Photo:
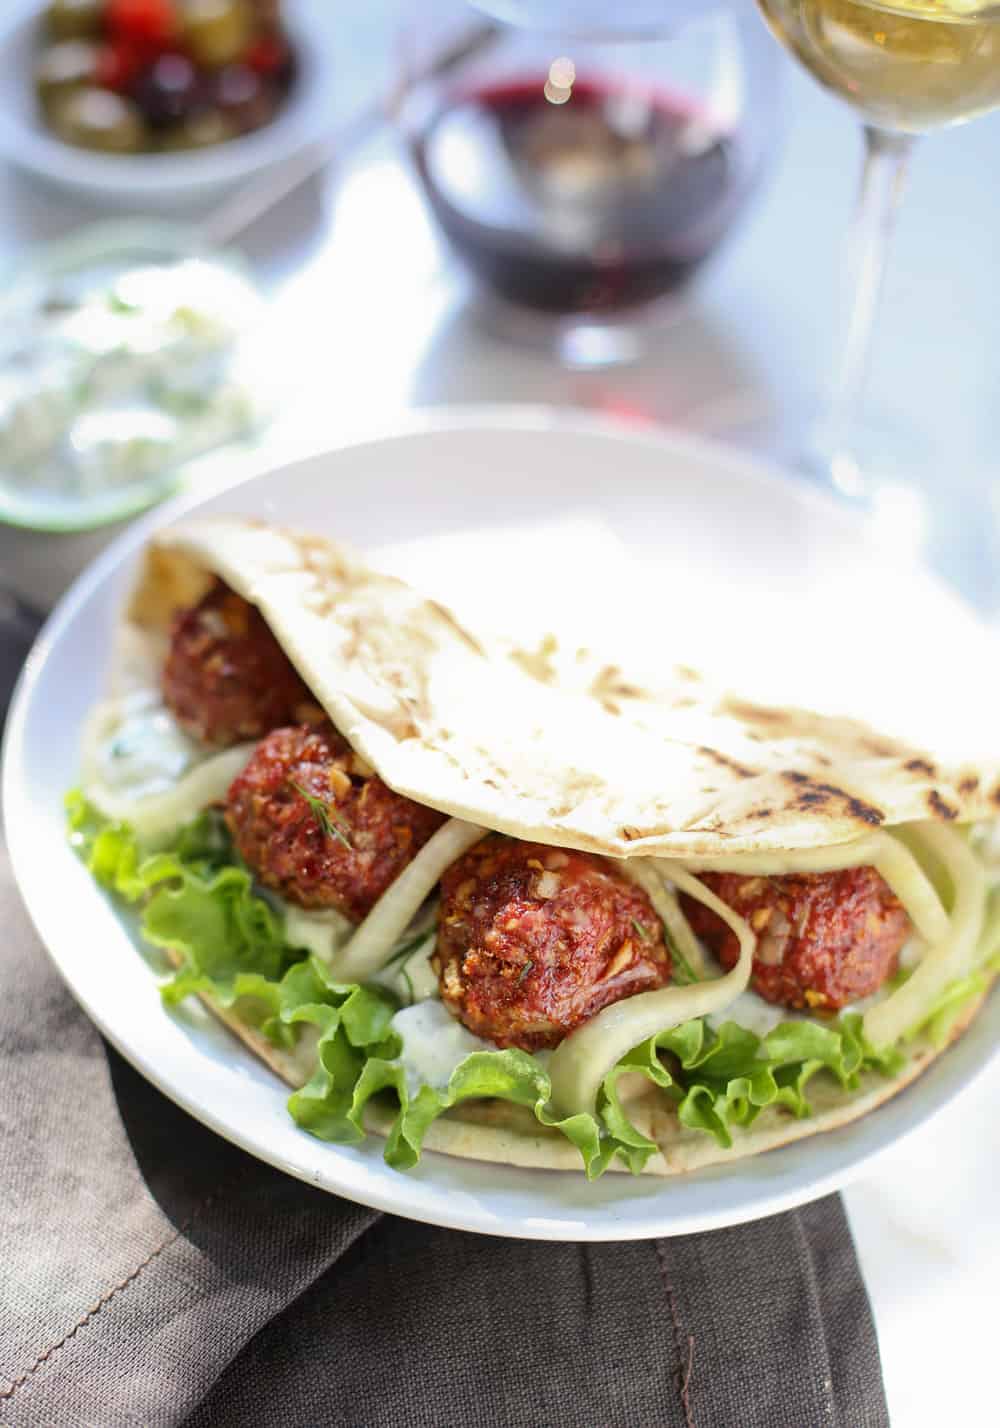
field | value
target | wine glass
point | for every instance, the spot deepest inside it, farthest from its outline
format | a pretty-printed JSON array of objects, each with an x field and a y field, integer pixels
[
  {"x": 586, "y": 163},
  {"x": 907, "y": 66}
]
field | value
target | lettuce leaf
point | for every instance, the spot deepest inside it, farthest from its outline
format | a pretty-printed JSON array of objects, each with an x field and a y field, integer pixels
[
  {"x": 716, "y": 1080},
  {"x": 195, "y": 899},
  {"x": 939, "y": 1022}
]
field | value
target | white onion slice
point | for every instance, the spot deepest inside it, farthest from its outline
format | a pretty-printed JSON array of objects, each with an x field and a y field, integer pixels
[
  {"x": 886, "y": 854},
  {"x": 373, "y": 943},
  {"x": 947, "y": 958},
  {"x": 581, "y": 1062},
  {"x": 155, "y": 817},
  {"x": 668, "y": 910}
]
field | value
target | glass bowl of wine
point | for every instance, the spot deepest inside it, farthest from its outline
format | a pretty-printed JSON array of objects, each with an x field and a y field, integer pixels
[{"x": 584, "y": 175}]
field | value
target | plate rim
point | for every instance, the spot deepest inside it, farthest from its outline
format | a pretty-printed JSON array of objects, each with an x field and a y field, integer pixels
[{"x": 415, "y": 424}]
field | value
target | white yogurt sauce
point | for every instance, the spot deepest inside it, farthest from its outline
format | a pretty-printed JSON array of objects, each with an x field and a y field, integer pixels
[
  {"x": 140, "y": 766},
  {"x": 433, "y": 1044},
  {"x": 144, "y": 751},
  {"x": 752, "y": 1012},
  {"x": 109, "y": 380},
  {"x": 319, "y": 931}
]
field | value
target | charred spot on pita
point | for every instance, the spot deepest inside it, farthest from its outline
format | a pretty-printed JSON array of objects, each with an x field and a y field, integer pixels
[
  {"x": 726, "y": 762},
  {"x": 757, "y": 713},
  {"x": 819, "y": 795},
  {"x": 878, "y": 747},
  {"x": 923, "y": 766},
  {"x": 939, "y": 807},
  {"x": 445, "y": 615},
  {"x": 865, "y": 812}
]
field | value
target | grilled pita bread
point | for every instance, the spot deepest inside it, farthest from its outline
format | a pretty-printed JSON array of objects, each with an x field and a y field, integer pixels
[
  {"x": 560, "y": 746},
  {"x": 557, "y": 746}
]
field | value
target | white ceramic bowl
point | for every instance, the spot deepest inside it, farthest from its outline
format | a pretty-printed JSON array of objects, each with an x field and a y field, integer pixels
[{"x": 142, "y": 182}]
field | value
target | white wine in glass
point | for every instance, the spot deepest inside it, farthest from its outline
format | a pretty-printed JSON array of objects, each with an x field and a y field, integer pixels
[
  {"x": 907, "y": 66},
  {"x": 913, "y": 65}
]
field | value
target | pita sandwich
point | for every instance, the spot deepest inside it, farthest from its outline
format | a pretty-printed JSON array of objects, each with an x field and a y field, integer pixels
[{"x": 627, "y": 924}]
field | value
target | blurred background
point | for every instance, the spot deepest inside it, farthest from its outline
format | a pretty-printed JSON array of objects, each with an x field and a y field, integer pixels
[{"x": 434, "y": 173}]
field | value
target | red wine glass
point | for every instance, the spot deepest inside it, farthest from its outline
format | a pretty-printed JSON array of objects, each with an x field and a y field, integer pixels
[{"x": 583, "y": 177}]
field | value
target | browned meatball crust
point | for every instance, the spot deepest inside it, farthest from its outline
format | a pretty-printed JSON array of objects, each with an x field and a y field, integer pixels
[
  {"x": 533, "y": 941},
  {"x": 314, "y": 823},
  {"x": 823, "y": 939},
  {"x": 226, "y": 678}
]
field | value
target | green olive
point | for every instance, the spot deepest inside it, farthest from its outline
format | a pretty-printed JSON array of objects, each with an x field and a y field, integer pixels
[
  {"x": 99, "y": 119},
  {"x": 64, "y": 67},
  {"x": 216, "y": 32},
  {"x": 200, "y": 131},
  {"x": 74, "y": 19}
]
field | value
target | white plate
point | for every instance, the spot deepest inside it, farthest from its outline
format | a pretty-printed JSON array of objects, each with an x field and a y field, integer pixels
[
  {"x": 685, "y": 504},
  {"x": 144, "y": 181}
]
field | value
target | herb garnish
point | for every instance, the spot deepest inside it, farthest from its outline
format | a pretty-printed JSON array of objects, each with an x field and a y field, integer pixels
[
  {"x": 680, "y": 962},
  {"x": 524, "y": 971},
  {"x": 409, "y": 985},
  {"x": 327, "y": 821},
  {"x": 408, "y": 949}
]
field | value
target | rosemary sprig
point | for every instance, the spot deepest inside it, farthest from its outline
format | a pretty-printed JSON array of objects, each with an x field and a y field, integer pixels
[
  {"x": 680, "y": 962},
  {"x": 327, "y": 822},
  {"x": 409, "y": 985},
  {"x": 408, "y": 949}
]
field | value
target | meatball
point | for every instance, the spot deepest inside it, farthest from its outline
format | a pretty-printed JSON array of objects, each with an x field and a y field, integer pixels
[
  {"x": 226, "y": 678},
  {"x": 823, "y": 939},
  {"x": 313, "y": 822},
  {"x": 534, "y": 940}
]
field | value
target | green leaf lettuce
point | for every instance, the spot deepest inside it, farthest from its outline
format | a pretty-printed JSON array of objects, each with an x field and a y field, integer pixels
[{"x": 196, "y": 900}]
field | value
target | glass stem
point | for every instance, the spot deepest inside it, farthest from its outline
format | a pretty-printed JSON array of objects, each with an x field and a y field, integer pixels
[{"x": 882, "y": 184}]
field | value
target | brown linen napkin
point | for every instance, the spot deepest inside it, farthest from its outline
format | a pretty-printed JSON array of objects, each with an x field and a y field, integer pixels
[{"x": 152, "y": 1274}]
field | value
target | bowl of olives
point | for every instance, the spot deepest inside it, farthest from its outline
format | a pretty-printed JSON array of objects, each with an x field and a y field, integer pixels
[{"x": 147, "y": 100}]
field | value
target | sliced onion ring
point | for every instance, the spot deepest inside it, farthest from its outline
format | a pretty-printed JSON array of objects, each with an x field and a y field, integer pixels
[
  {"x": 581, "y": 1062},
  {"x": 373, "y": 943}
]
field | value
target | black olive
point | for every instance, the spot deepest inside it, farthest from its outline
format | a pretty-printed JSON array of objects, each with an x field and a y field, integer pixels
[
  {"x": 244, "y": 97},
  {"x": 169, "y": 90}
]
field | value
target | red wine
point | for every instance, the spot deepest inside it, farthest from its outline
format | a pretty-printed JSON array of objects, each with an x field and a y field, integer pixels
[{"x": 592, "y": 204}]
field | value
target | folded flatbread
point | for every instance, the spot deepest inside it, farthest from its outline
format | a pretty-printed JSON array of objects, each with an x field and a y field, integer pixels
[{"x": 566, "y": 747}]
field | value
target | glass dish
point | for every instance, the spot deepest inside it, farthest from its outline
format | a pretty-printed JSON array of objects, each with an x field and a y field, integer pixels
[{"x": 126, "y": 351}]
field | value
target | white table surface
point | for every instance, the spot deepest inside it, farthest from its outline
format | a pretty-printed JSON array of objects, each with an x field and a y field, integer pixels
[{"x": 375, "y": 319}]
